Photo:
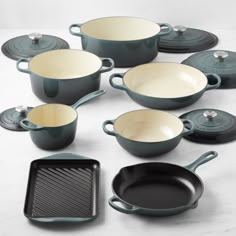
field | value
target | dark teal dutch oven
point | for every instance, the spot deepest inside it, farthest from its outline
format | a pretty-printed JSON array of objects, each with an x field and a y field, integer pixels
[
  {"x": 53, "y": 126},
  {"x": 165, "y": 85},
  {"x": 129, "y": 41},
  {"x": 64, "y": 76},
  {"x": 148, "y": 132},
  {"x": 158, "y": 189}
]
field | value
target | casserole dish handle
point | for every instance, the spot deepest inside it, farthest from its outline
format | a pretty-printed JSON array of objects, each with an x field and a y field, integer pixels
[
  {"x": 21, "y": 69},
  {"x": 117, "y": 86},
  {"x": 125, "y": 210},
  {"x": 166, "y": 29},
  {"x": 201, "y": 160},
  {"x": 75, "y": 33},
  {"x": 109, "y": 132},
  {"x": 189, "y": 127},
  {"x": 108, "y": 68},
  {"x": 216, "y": 81}
]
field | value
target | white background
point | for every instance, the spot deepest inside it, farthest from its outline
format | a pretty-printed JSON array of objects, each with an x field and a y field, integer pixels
[{"x": 216, "y": 212}]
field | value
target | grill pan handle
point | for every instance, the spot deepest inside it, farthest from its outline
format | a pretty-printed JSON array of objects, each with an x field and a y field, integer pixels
[
  {"x": 125, "y": 210},
  {"x": 201, "y": 160},
  {"x": 66, "y": 156}
]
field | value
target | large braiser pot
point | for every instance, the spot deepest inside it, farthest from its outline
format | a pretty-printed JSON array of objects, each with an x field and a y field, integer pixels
[
  {"x": 129, "y": 41},
  {"x": 66, "y": 75},
  {"x": 165, "y": 85}
]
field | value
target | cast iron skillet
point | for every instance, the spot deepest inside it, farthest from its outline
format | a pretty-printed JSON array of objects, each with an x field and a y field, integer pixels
[{"x": 158, "y": 189}]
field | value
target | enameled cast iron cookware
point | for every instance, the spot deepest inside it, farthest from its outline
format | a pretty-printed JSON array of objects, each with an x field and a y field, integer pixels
[
  {"x": 158, "y": 189},
  {"x": 53, "y": 126},
  {"x": 211, "y": 126},
  {"x": 165, "y": 85},
  {"x": 64, "y": 76},
  {"x": 129, "y": 41},
  {"x": 148, "y": 132},
  {"x": 220, "y": 62},
  {"x": 62, "y": 188},
  {"x": 27, "y": 46}
]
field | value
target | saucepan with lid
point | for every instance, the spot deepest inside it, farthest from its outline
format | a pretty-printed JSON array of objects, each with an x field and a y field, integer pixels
[
  {"x": 66, "y": 75},
  {"x": 129, "y": 41},
  {"x": 53, "y": 126},
  {"x": 165, "y": 85}
]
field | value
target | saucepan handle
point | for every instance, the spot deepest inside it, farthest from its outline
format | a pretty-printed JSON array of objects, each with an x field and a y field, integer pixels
[
  {"x": 217, "y": 79},
  {"x": 21, "y": 69},
  {"x": 108, "y": 68},
  {"x": 201, "y": 160},
  {"x": 165, "y": 29},
  {"x": 88, "y": 97},
  {"x": 125, "y": 210},
  {"x": 117, "y": 86},
  {"x": 109, "y": 132},
  {"x": 188, "y": 127},
  {"x": 26, "y": 124},
  {"x": 75, "y": 33}
]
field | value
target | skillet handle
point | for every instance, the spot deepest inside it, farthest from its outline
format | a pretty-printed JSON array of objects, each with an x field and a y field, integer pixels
[
  {"x": 21, "y": 69},
  {"x": 109, "y": 132},
  {"x": 189, "y": 127},
  {"x": 216, "y": 78},
  {"x": 108, "y": 68},
  {"x": 114, "y": 85},
  {"x": 75, "y": 33},
  {"x": 130, "y": 210},
  {"x": 88, "y": 97},
  {"x": 201, "y": 160},
  {"x": 167, "y": 29}
]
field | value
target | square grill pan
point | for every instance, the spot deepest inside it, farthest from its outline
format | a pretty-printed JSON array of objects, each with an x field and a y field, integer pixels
[{"x": 62, "y": 187}]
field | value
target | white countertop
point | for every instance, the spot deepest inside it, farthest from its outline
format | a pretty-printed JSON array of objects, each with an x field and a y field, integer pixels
[{"x": 216, "y": 212}]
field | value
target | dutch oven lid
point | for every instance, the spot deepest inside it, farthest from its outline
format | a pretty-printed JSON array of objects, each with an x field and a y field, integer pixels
[
  {"x": 10, "y": 119},
  {"x": 186, "y": 40},
  {"x": 27, "y": 46},
  {"x": 219, "y": 62},
  {"x": 211, "y": 126}
]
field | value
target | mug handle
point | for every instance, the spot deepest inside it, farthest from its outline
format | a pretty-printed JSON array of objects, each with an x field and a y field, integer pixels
[
  {"x": 188, "y": 127},
  {"x": 213, "y": 86},
  {"x": 21, "y": 69},
  {"x": 109, "y": 68},
  {"x": 75, "y": 33},
  {"x": 109, "y": 132},
  {"x": 117, "y": 86},
  {"x": 164, "y": 31},
  {"x": 125, "y": 210}
]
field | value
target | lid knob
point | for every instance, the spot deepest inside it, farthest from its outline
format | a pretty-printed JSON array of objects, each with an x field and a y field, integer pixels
[
  {"x": 22, "y": 109},
  {"x": 210, "y": 115},
  {"x": 35, "y": 37},
  {"x": 179, "y": 29},
  {"x": 221, "y": 55}
]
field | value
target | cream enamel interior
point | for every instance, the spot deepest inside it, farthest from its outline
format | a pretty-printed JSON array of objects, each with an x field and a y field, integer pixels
[
  {"x": 52, "y": 115},
  {"x": 165, "y": 80},
  {"x": 65, "y": 64},
  {"x": 120, "y": 28},
  {"x": 148, "y": 125}
]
